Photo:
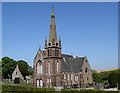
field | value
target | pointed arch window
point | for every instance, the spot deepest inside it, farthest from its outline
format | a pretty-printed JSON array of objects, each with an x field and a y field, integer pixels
[
  {"x": 53, "y": 52},
  {"x": 49, "y": 82},
  {"x": 39, "y": 82},
  {"x": 56, "y": 52},
  {"x": 50, "y": 52},
  {"x": 86, "y": 70},
  {"x": 48, "y": 67},
  {"x": 64, "y": 76},
  {"x": 76, "y": 77},
  {"x": 57, "y": 66},
  {"x": 39, "y": 67},
  {"x": 56, "y": 44}
]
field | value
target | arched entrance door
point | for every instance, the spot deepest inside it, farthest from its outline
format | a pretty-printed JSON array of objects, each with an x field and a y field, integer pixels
[
  {"x": 17, "y": 81},
  {"x": 39, "y": 83}
]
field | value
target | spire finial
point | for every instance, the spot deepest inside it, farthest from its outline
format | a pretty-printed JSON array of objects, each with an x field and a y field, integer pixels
[{"x": 52, "y": 10}]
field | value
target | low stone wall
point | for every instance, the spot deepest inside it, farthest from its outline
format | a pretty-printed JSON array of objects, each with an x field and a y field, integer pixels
[{"x": 7, "y": 81}]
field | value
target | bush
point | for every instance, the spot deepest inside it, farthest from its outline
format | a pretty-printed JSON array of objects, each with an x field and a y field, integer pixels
[
  {"x": 16, "y": 88},
  {"x": 86, "y": 91}
]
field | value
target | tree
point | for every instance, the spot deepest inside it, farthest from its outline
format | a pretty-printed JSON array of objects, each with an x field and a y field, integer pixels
[
  {"x": 9, "y": 65},
  {"x": 119, "y": 79},
  {"x": 24, "y": 68},
  {"x": 30, "y": 69},
  {"x": 104, "y": 75},
  {"x": 0, "y": 69},
  {"x": 113, "y": 79},
  {"x": 96, "y": 77}
]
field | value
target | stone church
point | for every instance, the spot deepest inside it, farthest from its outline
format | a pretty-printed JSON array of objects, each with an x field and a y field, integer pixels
[{"x": 54, "y": 69}]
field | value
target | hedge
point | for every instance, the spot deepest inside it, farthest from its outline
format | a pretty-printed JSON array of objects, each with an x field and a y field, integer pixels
[
  {"x": 86, "y": 91},
  {"x": 16, "y": 88},
  {"x": 30, "y": 89}
]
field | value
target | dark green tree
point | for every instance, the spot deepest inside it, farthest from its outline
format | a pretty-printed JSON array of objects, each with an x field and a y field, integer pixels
[
  {"x": 113, "y": 79},
  {"x": 0, "y": 68},
  {"x": 24, "y": 68},
  {"x": 30, "y": 69},
  {"x": 104, "y": 75},
  {"x": 8, "y": 66},
  {"x": 119, "y": 79},
  {"x": 96, "y": 77}
]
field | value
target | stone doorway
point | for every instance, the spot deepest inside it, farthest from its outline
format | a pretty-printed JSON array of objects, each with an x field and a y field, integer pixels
[
  {"x": 39, "y": 83},
  {"x": 17, "y": 81}
]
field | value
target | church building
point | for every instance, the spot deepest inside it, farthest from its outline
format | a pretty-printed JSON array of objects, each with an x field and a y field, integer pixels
[{"x": 54, "y": 69}]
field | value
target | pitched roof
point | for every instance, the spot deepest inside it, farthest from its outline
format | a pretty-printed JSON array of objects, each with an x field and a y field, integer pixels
[
  {"x": 16, "y": 73},
  {"x": 71, "y": 64}
]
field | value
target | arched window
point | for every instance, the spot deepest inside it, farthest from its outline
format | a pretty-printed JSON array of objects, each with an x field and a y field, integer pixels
[
  {"x": 57, "y": 52},
  {"x": 57, "y": 66},
  {"x": 86, "y": 70},
  {"x": 39, "y": 67},
  {"x": 49, "y": 44},
  {"x": 53, "y": 52},
  {"x": 64, "y": 76},
  {"x": 70, "y": 77},
  {"x": 39, "y": 82},
  {"x": 49, "y": 82},
  {"x": 50, "y": 52},
  {"x": 56, "y": 44},
  {"x": 76, "y": 77},
  {"x": 48, "y": 67}
]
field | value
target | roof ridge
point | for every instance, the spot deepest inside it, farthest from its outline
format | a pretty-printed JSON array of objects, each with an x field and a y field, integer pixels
[{"x": 67, "y": 55}]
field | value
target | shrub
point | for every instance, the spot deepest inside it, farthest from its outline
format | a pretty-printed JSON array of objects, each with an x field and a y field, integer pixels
[
  {"x": 16, "y": 88},
  {"x": 86, "y": 91}
]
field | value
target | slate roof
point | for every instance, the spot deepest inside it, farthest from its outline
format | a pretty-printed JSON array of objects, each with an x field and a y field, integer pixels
[{"x": 71, "y": 64}]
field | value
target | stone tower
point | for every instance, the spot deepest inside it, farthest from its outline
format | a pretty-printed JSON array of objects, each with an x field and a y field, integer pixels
[
  {"x": 48, "y": 63},
  {"x": 53, "y": 58}
]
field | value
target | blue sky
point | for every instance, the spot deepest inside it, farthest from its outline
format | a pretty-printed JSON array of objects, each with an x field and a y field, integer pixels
[{"x": 86, "y": 29}]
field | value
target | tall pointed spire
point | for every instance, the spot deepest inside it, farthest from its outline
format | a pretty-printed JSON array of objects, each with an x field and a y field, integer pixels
[{"x": 52, "y": 35}]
